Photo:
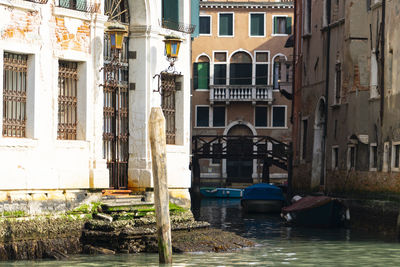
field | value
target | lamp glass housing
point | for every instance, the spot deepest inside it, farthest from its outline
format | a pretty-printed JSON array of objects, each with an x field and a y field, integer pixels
[{"x": 172, "y": 47}]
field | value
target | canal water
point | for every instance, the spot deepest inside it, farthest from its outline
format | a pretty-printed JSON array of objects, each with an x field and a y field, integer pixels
[{"x": 278, "y": 245}]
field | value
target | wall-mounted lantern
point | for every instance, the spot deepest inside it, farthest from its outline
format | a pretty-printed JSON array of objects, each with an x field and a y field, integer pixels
[
  {"x": 172, "y": 44},
  {"x": 117, "y": 32}
]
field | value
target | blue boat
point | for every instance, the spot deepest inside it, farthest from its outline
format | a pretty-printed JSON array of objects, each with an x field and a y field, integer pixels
[
  {"x": 262, "y": 198},
  {"x": 221, "y": 192}
]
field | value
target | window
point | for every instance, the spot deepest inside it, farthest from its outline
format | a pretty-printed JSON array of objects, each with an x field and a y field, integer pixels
[
  {"x": 73, "y": 4},
  {"x": 396, "y": 156},
  {"x": 262, "y": 63},
  {"x": 279, "y": 61},
  {"x": 240, "y": 68},
  {"x": 307, "y": 17},
  {"x": 335, "y": 158},
  {"x": 169, "y": 83},
  {"x": 67, "y": 100},
  {"x": 282, "y": 25},
  {"x": 202, "y": 116},
  {"x": 257, "y": 24},
  {"x": 201, "y": 73},
  {"x": 279, "y": 116},
  {"x": 205, "y": 25},
  {"x": 14, "y": 95},
  {"x": 373, "y": 157},
  {"x": 170, "y": 14},
  {"x": 220, "y": 68},
  {"x": 351, "y": 157},
  {"x": 338, "y": 83},
  {"x": 225, "y": 24},
  {"x": 304, "y": 132},
  {"x": 261, "y": 117},
  {"x": 219, "y": 116}
]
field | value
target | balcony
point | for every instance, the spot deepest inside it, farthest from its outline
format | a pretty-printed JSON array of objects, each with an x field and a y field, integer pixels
[{"x": 240, "y": 93}]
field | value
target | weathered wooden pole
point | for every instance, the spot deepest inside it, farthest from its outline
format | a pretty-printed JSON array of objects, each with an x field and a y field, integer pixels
[{"x": 161, "y": 198}]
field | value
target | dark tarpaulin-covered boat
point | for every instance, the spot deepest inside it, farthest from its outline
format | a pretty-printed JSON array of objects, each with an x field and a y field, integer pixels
[
  {"x": 316, "y": 211},
  {"x": 262, "y": 198}
]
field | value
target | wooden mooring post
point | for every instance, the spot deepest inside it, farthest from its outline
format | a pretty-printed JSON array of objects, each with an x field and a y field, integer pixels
[{"x": 161, "y": 198}]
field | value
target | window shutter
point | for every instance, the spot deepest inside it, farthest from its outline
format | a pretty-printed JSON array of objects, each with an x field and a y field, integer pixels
[
  {"x": 276, "y": 25},
  {"x": 257, "y": 24},
  {"x": 288, "y": 25},
  {"x": 171, "y": 10},
  {"x": 225, "y": 24},
  {"x": 202, "y": 70},
  {"x": 194, "y": 16},
  {"x": 195, "y": 76},
  {"x": 241, "y": 73}
]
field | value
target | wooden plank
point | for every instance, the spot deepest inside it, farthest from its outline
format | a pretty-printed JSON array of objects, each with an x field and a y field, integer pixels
[{"x": 161, "y": 198}]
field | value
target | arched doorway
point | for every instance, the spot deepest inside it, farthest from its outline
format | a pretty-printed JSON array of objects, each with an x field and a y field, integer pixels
[
  {"x": 239, "y": 170},
  {"x": 115, "y": 90},
  {"x": 317, "y": 172}
]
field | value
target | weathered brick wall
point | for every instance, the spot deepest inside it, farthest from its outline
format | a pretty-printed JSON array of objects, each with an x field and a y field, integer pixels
[
  {"x": 72, "y": 34},
  {"x": 65, "y": 33},
  {"x": 19, "y": 24}
]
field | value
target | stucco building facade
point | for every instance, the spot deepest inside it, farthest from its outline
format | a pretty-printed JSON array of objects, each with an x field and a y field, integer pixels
[
  {"x": 345, "y": 116},
  {"x": 53, "y": 54},
  {"x": 238, "y": 60}
]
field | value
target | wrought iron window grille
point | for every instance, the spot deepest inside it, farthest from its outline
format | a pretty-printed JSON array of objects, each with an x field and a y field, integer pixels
[
  {"x": 178, "y": 26},
  {"x": 79, "y": 5},
  {"x": 67, "y": 100},
  {"x": 14, "y": 95}
]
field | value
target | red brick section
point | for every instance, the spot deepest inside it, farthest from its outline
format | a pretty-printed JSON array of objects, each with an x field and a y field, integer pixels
[
  {"x": 79, "y": 41},
  {"x": 21, "y": 23}
]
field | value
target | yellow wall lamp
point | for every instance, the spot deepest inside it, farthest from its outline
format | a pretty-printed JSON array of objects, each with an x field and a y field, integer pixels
[{"x": 172, "y": 45}]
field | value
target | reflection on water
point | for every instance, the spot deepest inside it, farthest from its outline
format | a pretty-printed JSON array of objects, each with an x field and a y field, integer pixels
[{"x": 279, "y": 245}]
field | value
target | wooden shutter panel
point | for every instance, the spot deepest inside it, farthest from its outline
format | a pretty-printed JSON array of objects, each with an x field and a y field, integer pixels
[
  {"x": 288, "y": 25},
  {"x": 195, "y": 76},
  {"x": 171, "y": 10},
  {"x": 275, "y": 24}
]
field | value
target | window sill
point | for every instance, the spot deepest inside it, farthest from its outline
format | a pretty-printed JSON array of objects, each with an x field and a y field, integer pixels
[
  {"x": 272, "y": 128},
  {"x": 395, "y": 169},
  {"x": 306, "y": 36},
  {"x": 65, "y": 12},
  {"x": 336, "y": 105},
  {"x": 72, "y": 144},
  {"x": 205, "y": 34},
  {"x": 373, "y": 99},
  {"x": 279, "y": 34},
  {"x": 18, "y": 142},
  {"x": 20, "y": 4},
  {"x": 202, "y": 90},
  {"x": 373, "y": 169},
  {"x": 226, "y": 36},
  {"x": 257, "y": 36}
]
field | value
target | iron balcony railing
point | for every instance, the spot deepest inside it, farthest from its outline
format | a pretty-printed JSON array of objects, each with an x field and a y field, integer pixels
[
  {"x": 178, "y": 26},
  {"x": 38, "y": 1},
  {"x": 79, "y": 5},
  {"x": 240, "y": 93}
]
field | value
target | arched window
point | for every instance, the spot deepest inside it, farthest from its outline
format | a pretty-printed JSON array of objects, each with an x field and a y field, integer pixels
[
  {"x": 241, "y": 69},
  {"x": 201, "y": 73},
  {"x": 279, "y": 64}
]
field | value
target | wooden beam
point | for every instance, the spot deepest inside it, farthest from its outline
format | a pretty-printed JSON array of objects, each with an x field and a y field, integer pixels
[{"x": 161, "y": 198}]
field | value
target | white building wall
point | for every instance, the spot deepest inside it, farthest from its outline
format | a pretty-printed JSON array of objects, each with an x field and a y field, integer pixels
[
  {"x": 146, "y": 39},
  {"x": 48, "y": 34}
]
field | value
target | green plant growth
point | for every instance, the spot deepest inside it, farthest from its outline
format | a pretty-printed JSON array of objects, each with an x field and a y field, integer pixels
[
  {"x": 91, "y": 208},
  {"x": 122, "y": 213},
  {"x": 16, "y": 213}
]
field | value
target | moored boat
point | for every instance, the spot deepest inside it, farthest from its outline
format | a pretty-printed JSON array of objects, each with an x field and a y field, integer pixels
[
  {"x": 262, "y": 198},
  {"x": 221, "y": 192},
  {"x": 316, "y": 211}
]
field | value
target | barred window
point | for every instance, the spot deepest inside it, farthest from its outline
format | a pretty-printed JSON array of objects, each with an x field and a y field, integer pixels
[
  {"x": 168, "y": 83},
  {"x": 67, "y": 100},
  {"x": 14, "y": 95}
]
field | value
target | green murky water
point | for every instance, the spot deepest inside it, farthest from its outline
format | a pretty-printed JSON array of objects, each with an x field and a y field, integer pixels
[{"x": 278, "y": 245}]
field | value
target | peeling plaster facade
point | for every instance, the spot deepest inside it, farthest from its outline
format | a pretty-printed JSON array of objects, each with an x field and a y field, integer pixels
[
  {"x": 41, "y": 167},
  {"x": 358, "y": 148}
]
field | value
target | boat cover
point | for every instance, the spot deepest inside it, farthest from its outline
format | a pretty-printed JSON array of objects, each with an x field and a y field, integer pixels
[
  {"x": 263, "y": 192},
  {"x": 307, "y": 202}
]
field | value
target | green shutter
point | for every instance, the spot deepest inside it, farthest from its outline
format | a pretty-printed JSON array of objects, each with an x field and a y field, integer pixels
[
  {"x": 225, "y": 24},
  {"x": 195, "y": 9},
  {"x": 275, "y": 24},
  {"x": 202, "y": 70},
  {"x": 288, "y": 25},
  {"x": 171, "y": 10},
  {"x": 195, "y": 76},
  {"x": 257, "y": 24}
]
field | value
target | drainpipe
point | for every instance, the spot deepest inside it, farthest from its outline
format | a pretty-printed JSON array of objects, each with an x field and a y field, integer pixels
[
  {"x": 328, "y": 50},
  {"x": 382, "y": 80},
  {"x": 294, "y": 62}
]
